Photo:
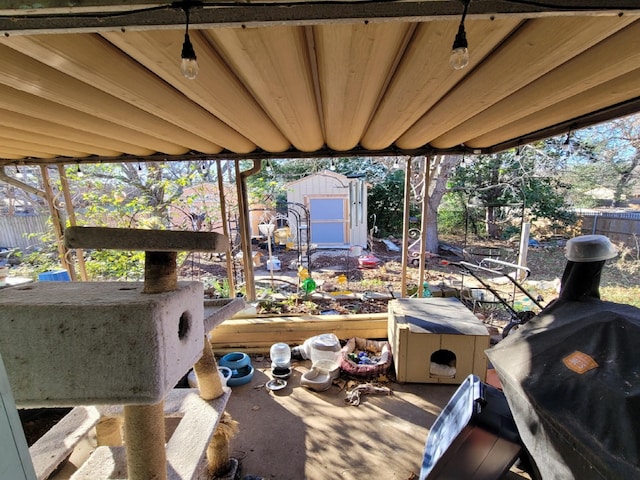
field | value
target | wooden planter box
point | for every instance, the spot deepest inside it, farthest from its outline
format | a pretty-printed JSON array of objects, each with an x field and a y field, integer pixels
[{"x": 256, "y": 333}]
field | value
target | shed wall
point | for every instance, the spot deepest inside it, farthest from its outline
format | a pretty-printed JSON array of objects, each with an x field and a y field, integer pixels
[{"x": 330, "y": 185}]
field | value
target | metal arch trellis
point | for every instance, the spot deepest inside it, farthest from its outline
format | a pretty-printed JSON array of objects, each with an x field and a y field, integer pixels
[
  {"x": 297, "y": 219},
  {"x": 302, "y": 216}
]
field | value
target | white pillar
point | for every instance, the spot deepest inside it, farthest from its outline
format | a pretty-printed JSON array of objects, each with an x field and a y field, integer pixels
[{"x": 524, "y": 248}]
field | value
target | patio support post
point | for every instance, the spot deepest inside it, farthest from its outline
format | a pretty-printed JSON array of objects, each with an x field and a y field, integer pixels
[
  {"x": 58, "y": 222},
  {"x": 423, "y": 224},
  {"x": 405, "y": 225},
  {"x": 225, "y": 230},
  {"x": 68, "y": 205},
  {"x": 245, "y": 237}
]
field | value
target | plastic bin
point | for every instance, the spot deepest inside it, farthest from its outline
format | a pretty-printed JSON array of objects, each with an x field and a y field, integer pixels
[
  {"x": 54, "y": 276},
  {"x": 474, "y": 437}
]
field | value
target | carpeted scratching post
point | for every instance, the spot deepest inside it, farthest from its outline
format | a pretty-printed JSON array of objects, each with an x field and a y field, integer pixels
[
  {"x": 126, "y": 345},
  {"x": 144, "y": 425},
  {"x": 207, "y": 373},
  {"x": 144, "y": 432},
  {"x": 218, "y": 455},
  {"x": 144, "y": 438}
]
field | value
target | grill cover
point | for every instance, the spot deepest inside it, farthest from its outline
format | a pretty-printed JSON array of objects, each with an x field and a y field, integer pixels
[{"x": 572, "y": 380}]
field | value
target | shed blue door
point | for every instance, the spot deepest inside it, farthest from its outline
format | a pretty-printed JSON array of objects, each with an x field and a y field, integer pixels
[{"x": 328, "y": 222}]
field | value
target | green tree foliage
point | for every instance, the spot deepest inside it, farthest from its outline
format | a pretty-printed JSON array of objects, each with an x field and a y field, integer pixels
[
  {"x": 133, "y": 195},
  {"x": 374, "y": 169},
  {"x": 130, "y": 195},
  {"x": 386, "y": 204},
  {"x": 497, "y": 190}
]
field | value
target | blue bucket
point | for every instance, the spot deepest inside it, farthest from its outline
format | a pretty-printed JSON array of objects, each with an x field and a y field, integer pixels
[{"x": 54, "y": 276}]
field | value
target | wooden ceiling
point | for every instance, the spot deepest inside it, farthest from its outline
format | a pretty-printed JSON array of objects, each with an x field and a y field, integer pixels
[{"x": 312, "y": 81}]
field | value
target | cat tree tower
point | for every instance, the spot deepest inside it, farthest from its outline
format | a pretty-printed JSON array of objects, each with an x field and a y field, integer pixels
[{"x": 117, "y": 349}]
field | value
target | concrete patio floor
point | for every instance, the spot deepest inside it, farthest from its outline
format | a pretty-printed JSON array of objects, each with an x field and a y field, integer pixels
[{"x": 299, "y": 434}]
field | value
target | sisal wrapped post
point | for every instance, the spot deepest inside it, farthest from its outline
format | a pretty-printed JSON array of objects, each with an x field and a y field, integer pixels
[
  {"x": 160, "y": 272},
  {"x": 218, "y": 455},
  {"x": 207, "y": 373},
  {"x": 145, "y": 441},
  {"x": 144, "y": 426}
]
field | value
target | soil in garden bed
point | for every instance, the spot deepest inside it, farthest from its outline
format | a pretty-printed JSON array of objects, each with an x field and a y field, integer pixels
[{"x": 322, "y": 306}]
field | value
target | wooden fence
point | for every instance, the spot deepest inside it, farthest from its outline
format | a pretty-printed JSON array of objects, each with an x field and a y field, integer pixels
[
  {"x": 23, "y": 231},
  {"x": 620, "y": 227}
]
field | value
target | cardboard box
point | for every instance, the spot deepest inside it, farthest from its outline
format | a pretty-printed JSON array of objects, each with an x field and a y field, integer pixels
[{"x": 436, "y": 340}]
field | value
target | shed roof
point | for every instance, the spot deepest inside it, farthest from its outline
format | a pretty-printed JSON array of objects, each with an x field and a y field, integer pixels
[{"x": 325, "y": 173}]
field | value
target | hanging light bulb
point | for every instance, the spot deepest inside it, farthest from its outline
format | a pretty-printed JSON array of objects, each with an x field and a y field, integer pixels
[
  {"x": 139, "y": 167},
  {"x": 268, "y": 166},
  {"x": 460, "y": 52},
  {"x": 566, "y": 146},
  {"x": 189, "y": 63},
  {"x": 332, "y": 167},
  {"x": 396, "y": 163},
  {"x": 203, "y": 167},
  {"x": 18, "y": 172},
  {"x": 79, "y": 172},
  {"x": 518, "y": 154}
]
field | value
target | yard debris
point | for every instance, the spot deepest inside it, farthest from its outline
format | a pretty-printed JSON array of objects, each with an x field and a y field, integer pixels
[
  {"x": 353, "y": 395},
  {"x": 391, "y": 247}
]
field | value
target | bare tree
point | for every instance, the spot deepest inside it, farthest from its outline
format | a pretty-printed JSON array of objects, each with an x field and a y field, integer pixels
[{"x": 614, "y": 149}]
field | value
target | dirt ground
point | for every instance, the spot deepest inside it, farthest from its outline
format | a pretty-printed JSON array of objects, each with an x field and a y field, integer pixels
[
  {"x": 326, "y": 267},
  {"x": 338, "y": 270}
]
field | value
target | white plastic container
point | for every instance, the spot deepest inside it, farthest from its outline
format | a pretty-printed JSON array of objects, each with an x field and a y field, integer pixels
[
  {"x": 324, "y": 351},
  {"x": 280, "y": 354}
]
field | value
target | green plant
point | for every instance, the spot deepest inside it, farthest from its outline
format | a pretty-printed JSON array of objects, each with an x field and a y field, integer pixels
[
  {"x": 311, "y": 307},
  {"x": 35, "y": 263},
  {"x": 263, "y": 292},
  {"x": 220, "y": 287},
  {"x": 115, "y": 265},
  {"x": 269, "y": 306},
  {"x": 372, "y": 283},
  {"x": 450, "y": 220},
  {"x": 291, "y": 300}
]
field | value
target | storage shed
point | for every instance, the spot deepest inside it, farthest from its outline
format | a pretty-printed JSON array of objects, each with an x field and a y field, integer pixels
[{"x": 337, "y": 206}]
